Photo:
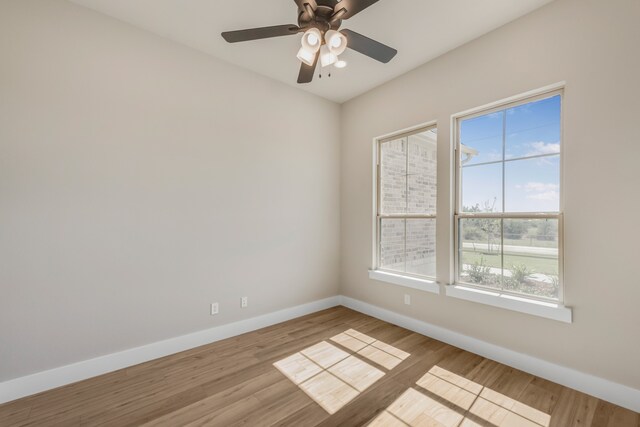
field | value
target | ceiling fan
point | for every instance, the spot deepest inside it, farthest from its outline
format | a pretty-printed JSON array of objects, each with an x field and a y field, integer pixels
[{"x": 320, "y": 21}]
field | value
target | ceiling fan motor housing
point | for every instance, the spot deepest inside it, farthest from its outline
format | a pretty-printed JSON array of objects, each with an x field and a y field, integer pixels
[{"x": 321, "y": 18}]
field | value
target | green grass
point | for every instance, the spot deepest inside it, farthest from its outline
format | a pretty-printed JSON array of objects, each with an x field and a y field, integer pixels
[{"x": 535, "y": 264}]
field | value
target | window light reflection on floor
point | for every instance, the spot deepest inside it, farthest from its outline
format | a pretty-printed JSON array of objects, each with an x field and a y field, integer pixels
[
  {"x": 452, "y": 400},
  {"x": 377, "y": 351},
  {"x": 333, "y": 377}
]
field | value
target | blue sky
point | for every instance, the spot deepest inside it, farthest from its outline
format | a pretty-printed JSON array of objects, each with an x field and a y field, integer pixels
[{"x": 531, "y": 184}]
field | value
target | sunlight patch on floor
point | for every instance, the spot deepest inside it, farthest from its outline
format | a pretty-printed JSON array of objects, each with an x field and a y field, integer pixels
[
  {"x": 454, "y": 401},
  {"x": 358, "y": 374},
  {"x": 298, "y": 368},
  {"x": 329, "y": 392},
  {"x": 349, "y": 342},
  {"x": 501, "y": 410},
  {"x": 380, "y": 357},
  {"x": 333, "y": 377},
  {"x": 386, "y": 419},
  {"x": 325, "y": 354},
  {"x": 379, "y": 352}
]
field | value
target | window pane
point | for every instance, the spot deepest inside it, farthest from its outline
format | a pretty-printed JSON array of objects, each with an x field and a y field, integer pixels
[
  {"x": 533, "y": 185},
  {"x": 393, "y": 176},
  {"x": 393, "y": 194},
  {"x": 481, "y": 139},
  {"x": 421, "y": 247},
  {"x": 533, "y": 129},
  {"x": 528, "y": 263},
  {"x": 480, "y": 251},
  {"x": 392, "y": 240},
  {"x": 531, "y": 257},
  {"x": 422, "y": 173},
  {"x": 408, "y": 178},
  {"x": 482, "y": 188}
]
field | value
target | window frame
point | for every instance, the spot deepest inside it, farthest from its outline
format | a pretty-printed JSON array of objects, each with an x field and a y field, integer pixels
[
  {"x": 411, "y": 280},
  {"x": 458, "y": 214}
]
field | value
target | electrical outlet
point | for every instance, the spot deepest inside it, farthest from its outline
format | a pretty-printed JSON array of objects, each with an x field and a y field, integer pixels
[
  {"x": 407, "y": 299},
  {"x": 214, "y": 308},
  {"x": 244, "y": 302}
]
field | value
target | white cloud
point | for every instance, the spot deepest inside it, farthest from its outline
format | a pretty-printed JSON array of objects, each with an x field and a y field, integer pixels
[
  {"x": 539, "y": 187},
  {"x": 541, "y": 191},
  {"x": 539, "y": 148},
  {"x": 494, "y": 157},
  {"x": 547, "y": 195}
]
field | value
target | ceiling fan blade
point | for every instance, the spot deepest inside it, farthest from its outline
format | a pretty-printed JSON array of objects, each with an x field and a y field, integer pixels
[
  {"x": 301, "y": 3},
  {"x": 369, "y": 47},
  {"x": 307, "y": 72},
  {"x": 338, "y": 15},
  {"x": 260, "y": 33},
  {"x": 302, "y": 8},
  {"x": 353, "y": 7}
]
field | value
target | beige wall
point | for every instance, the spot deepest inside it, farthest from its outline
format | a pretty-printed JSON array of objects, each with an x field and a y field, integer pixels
[
  {"x": 593, "y": 46},
  {"x": 140, "y": 181}
]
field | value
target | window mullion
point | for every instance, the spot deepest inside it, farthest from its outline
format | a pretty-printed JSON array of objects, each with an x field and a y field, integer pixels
[
  {"x": 504, "y": 156},
  {"x": 502, "y": 253},
  {"x": 406, "y": 198},
  {"x": 409, "y": 216}
]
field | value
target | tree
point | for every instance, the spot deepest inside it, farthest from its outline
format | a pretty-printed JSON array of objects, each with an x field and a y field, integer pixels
[
  {"x": 515, "y": 228},
  {"x": 547, "y": 230},
  {"x": 482, "y": 228}
]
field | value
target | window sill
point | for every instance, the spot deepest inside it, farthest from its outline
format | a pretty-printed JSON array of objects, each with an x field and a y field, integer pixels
[
  {"x": 407, "y": 281},
  {"x": 510, "y": 302}
]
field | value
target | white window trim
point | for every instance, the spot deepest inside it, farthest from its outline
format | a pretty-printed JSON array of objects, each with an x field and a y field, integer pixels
[
  {"x": 548, "y": 309},
  {"x": 510, "y": 302},
  {"x": 406, "y": 281},
  {"x": 427, "y": 284}
]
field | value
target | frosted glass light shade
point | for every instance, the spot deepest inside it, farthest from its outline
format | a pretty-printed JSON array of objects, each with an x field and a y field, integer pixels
[
  {"x": 336, "y": 41},
  {"x": 306, "y": 56},
  {"x": 311, "y": 40},
  {"x": 326, "y": 56}
]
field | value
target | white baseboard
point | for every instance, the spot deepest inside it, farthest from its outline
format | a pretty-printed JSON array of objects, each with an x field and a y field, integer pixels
[
  {"x": 46, "y": 380},
  {"x": 604, "y": 389},
  {"x": 610, "y": 391}
]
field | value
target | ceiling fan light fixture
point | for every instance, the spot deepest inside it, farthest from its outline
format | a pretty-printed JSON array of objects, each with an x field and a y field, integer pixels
[
  {"x": 306, "y": 56},
  {"x": 311, "y": 40},
  {"x": 327, "y": 57},
  {"x": 336, "y": 41},
  {"x": 319, "y": 22}
]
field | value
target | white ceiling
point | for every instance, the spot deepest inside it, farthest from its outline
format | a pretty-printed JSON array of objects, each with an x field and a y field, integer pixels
[{"x": 419, "y": 29}]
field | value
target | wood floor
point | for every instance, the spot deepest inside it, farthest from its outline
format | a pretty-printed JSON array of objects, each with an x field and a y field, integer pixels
[{"x": 376, "y": 373}]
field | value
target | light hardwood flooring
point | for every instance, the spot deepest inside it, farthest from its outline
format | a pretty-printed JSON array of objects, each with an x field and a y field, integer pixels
[{"x": 332, "y": 368}]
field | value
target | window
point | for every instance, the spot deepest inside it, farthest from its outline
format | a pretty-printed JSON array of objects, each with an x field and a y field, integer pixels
[
  {"x": 508, "y": 220},
  {"x": 406, "y": 204}
]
